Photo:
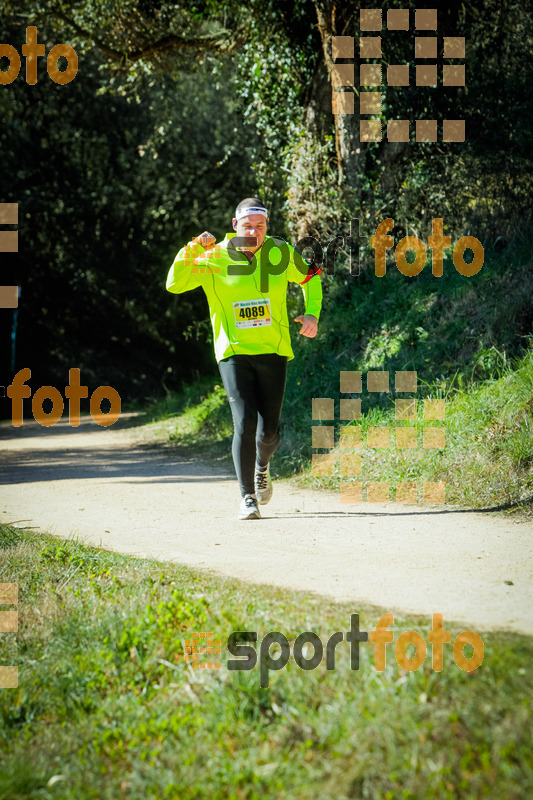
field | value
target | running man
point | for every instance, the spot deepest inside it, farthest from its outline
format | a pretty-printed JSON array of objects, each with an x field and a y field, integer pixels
[{"x": 245, "y": 279}]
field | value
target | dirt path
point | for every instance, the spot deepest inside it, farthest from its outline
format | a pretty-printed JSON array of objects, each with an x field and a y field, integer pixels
[{"x": 112, "y": 489}]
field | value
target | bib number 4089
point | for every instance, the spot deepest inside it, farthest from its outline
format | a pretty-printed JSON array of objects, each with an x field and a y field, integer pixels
[{"x": 252, "y": 312}]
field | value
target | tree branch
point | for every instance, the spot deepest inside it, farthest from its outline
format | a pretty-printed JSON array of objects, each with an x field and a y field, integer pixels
[{"x": 223, "y": 42}]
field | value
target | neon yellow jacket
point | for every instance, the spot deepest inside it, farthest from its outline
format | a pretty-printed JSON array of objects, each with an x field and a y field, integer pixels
[{"x": 245, "y": 319}]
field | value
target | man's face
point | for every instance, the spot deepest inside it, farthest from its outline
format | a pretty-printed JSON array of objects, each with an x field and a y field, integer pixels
[{"x": 252, "y": 225}]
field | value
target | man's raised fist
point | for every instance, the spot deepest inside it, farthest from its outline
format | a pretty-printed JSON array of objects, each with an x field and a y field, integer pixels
[{"x": 206, "y": 239}]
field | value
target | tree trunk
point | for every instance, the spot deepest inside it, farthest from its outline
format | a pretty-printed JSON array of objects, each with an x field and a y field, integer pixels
[{"x": 333, "y": 23}]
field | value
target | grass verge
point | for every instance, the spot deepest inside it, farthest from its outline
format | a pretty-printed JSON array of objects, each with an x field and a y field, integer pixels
[
  {"x": 107, "y": 707},
  {"x": 487, "y": 460}
]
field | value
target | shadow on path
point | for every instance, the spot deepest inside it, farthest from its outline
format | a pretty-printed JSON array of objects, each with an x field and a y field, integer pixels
[{"x": 38, "y": 462}]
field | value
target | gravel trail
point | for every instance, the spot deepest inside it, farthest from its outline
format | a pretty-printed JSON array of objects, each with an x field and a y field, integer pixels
[{"x": 112, "y": 487}]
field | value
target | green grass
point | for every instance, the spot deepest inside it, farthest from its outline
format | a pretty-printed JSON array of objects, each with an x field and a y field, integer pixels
[
  {"x": 197, "y": 420},
  {"x": 107, "y": 707},
  {"x": 487, "y": 461}
]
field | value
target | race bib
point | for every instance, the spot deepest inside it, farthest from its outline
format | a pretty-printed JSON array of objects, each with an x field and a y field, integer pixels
[{"x": 252, "y": 313}]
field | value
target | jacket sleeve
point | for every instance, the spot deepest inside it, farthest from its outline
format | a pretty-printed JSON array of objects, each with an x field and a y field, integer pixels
[
  {"x": 182, "y": 275},
  {"x": 307, "y": 275},
  {"x": 312, "y": 291}
]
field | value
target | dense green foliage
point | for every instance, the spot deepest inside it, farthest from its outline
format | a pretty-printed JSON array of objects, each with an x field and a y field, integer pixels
[
  {"x": 177, "y": 111},
  {"x": 109, "y": 187}
]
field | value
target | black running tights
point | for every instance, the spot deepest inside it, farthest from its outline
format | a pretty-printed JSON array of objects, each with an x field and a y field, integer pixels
[{"x": 255, "y": 386}]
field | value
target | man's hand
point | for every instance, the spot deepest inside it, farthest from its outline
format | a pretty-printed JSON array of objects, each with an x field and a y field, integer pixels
[
  {"x": 206, "y": 239},
  {"x": 309, "y": 325}
]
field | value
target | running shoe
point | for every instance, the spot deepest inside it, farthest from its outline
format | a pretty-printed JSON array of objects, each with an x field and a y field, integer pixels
[
  {"x": 248, "y": 508},
  {"x": 263, "y": 485}
]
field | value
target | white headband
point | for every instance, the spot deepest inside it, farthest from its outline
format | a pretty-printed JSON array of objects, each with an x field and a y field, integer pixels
[{"x": 243, "y": 212}]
